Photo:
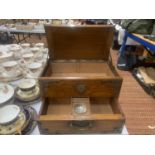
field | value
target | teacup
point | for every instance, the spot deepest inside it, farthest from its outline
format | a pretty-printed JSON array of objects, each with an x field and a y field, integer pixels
[
  {"x": 14, "y": 46},
  {"x": 25, "y": 45},
  {"x": 6, "y": 56},
  {"x": 34, "y": 67},
  {"x": 16, "y": 52},
  {"x": 40, "y": 45},
  {"x": 35, "y": 49},
  {"x": 27, "y": 85},
  {"x": 28, "y": 56},
  {"x": 10, "y": 66}
]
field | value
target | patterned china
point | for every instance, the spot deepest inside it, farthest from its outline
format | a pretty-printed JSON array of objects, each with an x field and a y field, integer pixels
[
  {"x": 28, "y": 96},
  {"x": 23, "y": 125},
  {"x": 30, "y": 124},
  {"x": 15, "y": 127},
  {"x": 27, "y": 90},
  {"x": 27, "y": 84}
]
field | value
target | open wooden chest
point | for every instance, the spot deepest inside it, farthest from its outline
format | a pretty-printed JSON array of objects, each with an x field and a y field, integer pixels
[{"x": 80, "y": 86}]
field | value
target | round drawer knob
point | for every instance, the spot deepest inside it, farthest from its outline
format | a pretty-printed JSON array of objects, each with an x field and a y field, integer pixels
[{"x": 80, "y": 88}]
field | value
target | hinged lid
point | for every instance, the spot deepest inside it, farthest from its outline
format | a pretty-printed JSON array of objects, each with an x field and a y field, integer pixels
[{"x": 79, "y": 42}]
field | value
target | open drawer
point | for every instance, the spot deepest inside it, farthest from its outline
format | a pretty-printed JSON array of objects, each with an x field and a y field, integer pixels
[{"x": 80, "y": 115}]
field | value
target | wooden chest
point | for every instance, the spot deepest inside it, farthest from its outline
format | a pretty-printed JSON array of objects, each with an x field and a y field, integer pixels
[{"x": 80, "y": 86}]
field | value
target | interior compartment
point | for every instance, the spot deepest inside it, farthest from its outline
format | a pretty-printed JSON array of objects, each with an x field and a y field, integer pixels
[
  {"x": 62, "y": 106},
  {"x": 79, "y": 69},
  {"x": 101, "y": 106}
]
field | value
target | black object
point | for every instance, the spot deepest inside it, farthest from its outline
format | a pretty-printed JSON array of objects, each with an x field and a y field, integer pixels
[
  {"x": 126, "y": 62},
  {"x": 5, "y": 38},
  {"x": 149, "y": 89},
  {"x": 150, "y": 37}
]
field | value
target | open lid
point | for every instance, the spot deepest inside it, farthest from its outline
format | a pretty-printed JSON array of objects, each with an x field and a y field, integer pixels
[{"x": 79, "y": 42}]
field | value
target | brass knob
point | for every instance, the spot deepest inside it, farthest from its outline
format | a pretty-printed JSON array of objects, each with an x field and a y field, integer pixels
[{"x": 80, "y": 88}]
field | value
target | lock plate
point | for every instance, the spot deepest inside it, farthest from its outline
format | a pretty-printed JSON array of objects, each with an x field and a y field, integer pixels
[{"x": 80, "y": 88}]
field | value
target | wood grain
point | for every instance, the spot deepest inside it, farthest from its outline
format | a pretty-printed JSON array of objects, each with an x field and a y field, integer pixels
[{"x": 79, "y": 42}]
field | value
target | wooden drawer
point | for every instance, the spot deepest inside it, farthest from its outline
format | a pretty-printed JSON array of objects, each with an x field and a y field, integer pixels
[
  {"x": 102, "y": 116},
  {"x": 81, "y": 87}
]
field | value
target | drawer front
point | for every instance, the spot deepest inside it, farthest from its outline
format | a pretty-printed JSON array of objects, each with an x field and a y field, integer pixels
[
  {"x": 81, "y": 88},
  {"x": 81, "y": 127},
  {"x": 69, "y": 124}
]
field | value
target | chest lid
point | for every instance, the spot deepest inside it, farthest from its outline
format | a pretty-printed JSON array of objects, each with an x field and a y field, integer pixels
[{"x": 86, "y": 42}]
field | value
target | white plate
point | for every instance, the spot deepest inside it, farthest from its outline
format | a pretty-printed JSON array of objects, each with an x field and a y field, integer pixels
[
  {"x": 27, "y": 83},
  {"x": 9, "y": 113},
  {"x": 6, "y": 92}
]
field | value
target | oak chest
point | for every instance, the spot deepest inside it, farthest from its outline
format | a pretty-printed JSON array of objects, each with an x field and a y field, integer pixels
[{"x": 80, "y": 86}]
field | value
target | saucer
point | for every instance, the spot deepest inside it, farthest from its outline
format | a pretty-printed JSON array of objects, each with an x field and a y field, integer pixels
[
  {"x": 30, "y": 124},
  {"x": 6, "y": 93},
  {"x": 27, "y": 103}
]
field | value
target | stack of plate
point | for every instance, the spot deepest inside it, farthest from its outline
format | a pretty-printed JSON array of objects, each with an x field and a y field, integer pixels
[
  {"x": 15, "y": 120},
  {"x": 27, "y": 90}
]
